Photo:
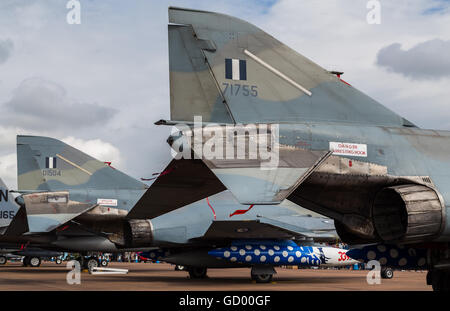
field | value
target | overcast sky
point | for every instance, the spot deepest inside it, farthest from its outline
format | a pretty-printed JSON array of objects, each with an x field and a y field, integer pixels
[{"x": 102, "y": 84}]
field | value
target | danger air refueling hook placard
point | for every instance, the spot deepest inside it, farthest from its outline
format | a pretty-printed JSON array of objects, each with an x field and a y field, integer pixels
[{"x": 349, "y": 149}]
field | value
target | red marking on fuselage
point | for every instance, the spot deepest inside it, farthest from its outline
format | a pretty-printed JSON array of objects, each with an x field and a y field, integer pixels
[
  {"x": 214, "y": 213},
  {"x": 241, "y": 211},
  {"x": 63, "y": 228},
  {"x": 156, "y": 174},
  {"x": 166, "y": 172},
  {"x": 109, "y": 164},
  {"x": 23, "y": 246},
  {"x": 345, "y": 82}
]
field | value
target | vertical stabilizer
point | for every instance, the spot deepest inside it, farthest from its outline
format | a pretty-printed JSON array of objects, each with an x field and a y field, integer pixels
[
  {"x": 45, "y": 163},
  {"x": 8, "y": 207},
  {"x": 229, "y": 71}
]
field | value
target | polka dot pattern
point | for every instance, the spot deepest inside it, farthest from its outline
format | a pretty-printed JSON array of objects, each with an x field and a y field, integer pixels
[
  {"x": 396, "y": 256},
  {"x": 155, "y": 254},
  {"x": 277, "y": 254}
]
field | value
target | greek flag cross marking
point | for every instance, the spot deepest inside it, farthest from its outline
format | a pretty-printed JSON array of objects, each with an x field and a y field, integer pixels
[
  {"x": 235, "y": 69},
  {"x": 50, "y": 162}
]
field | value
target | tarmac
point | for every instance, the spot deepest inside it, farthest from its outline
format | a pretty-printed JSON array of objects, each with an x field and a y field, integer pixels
[{"x": 163, "y": 277}]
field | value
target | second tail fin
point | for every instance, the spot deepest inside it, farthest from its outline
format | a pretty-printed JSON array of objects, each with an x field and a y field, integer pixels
[
  {"x": 8, "y": 207},
  {"x": 45, "y": 163}
]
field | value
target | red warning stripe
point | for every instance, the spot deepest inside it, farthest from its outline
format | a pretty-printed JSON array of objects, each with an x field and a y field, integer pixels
[
  {"x": 345, "y": 82},
  {"x": 160, "y": 174},
  {"x": 23, "y": 246},
  {"x": 241, "y": 211},
  {"x": 207, "y": 201},
  {"x": 62, "y": 228}
]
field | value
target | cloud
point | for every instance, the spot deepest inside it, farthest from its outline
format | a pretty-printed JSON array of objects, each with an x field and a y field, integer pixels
[
  {"x": 118, "y": 57},
  {"x": 6, "y": 48},
  {"x": 8, "y": 169},
  {"x": 437, "y": 7},
  {"x": 426, "y": 60},
  {"x": 7, "y": 138},
  {"x": 96, "y": 148},
  {"x": 41, "y": 104}
]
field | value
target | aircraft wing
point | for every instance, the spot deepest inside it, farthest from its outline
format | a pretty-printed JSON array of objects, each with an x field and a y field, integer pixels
[
  {"x": 19, "y": 224},
  {"x": 250, "y": 183},
  {"x": 48, "y": 210},
  {"x": 13, "y": 220},
  {"x": 181, "y": 183},
  {"x": 186, "y": 181}
]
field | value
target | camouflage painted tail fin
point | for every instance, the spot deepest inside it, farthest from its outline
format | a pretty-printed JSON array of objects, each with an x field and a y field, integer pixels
[
  {"x": 227, "y": 70},
  {"x": 45, "y": 163},
  {"x": 8, "y": 207}
]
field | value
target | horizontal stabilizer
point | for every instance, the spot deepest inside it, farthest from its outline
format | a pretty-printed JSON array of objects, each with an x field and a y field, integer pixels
[
  {"x": 186, "y": 181},
  {"x": 250, "y": 184},
  {"x": 181, "y": 183},
  {"x": 248, "y": 160},
  {"x": 49, "y": 210},
  {"x": 19, "y": 224}
]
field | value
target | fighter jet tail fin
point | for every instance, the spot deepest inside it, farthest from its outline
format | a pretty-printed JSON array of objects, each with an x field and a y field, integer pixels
[
  {"x": 45, "y": 163},
  {"x": 229, "y": 71},
  {"x": 193, "y": 88},
  {"x": 8, "y": 207}
]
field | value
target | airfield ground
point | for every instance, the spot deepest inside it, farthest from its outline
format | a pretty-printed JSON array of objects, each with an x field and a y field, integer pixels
[{"x": 162, "y": 277}]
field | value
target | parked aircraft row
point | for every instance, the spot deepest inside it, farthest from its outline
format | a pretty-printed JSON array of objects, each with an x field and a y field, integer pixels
[
  {"x": 72, "y": 202},
  {"x": 336, "y": 152}
]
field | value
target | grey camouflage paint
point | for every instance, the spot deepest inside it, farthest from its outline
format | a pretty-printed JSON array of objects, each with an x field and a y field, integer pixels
[
  {"x": 344, "y": 187},
  {"x": 57, "y": 199}
]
